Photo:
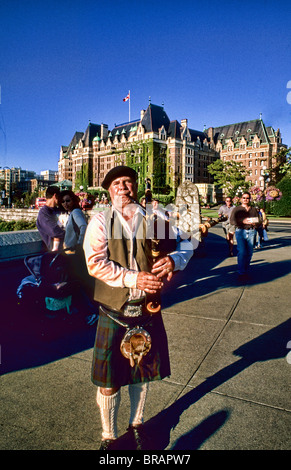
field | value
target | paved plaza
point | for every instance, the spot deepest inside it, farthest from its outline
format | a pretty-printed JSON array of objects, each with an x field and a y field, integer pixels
[{"x": 230, "y": 348}]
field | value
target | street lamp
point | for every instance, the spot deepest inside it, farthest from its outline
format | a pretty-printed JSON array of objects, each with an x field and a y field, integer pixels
[{"x": 264, "y": 178}]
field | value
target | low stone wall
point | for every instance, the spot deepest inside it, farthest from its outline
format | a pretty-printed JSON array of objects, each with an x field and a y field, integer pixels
[
  {"x": 18, "y": 214},
  {"x": 15, "y": 245},
  {"x": 26, "y": 214},
  {"x": 19, "y": 244}
]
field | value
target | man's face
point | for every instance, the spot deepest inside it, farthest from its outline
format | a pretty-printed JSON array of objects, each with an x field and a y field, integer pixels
[
  {"x": 55, "y": 199},
  {"x": 228, "y": 201},
  {"x": 123, "y": 190},
  {"x": 245, "y": 199}
]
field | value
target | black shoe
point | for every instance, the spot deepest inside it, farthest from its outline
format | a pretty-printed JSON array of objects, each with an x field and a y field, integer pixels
[
  {"x": 141, "y": 439},
  {"x": 105, "y": 444}
]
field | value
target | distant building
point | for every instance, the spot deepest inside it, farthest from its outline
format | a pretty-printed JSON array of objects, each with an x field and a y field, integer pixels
[
  {"x": 167, "y": 152},
  {"x": 250, "y": 143},
  {"x": 50, "y": 175},
  {"x": 17, "y": 179}
]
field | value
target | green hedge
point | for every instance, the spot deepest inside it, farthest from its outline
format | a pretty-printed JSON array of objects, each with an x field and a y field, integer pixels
[
  {"x": 282, "y": 208},
  {"x": 16, "y": 225}
]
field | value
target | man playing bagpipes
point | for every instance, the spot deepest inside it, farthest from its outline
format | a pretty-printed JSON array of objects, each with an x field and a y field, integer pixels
[{"x": 131, "y": 343}]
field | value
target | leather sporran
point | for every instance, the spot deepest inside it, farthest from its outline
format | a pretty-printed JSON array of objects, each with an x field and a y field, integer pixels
[{"x": 135, "y": 344}]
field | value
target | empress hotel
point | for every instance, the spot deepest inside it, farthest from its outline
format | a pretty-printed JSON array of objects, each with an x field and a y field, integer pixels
[{"x": 168, "y": 152}]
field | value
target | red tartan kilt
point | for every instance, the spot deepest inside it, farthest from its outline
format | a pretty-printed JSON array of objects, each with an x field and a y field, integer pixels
[{"x": 110, "y": 369}]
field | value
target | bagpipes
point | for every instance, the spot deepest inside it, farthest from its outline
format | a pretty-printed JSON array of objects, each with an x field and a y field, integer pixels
[
  {"x": 136, "y": 342},
  {"x": 203, "y": 228},
  {"x": 161, "y": 247}
]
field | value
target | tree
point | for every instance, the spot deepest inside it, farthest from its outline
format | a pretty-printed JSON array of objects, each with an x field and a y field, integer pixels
[
  {"x": 230, "y": 176},
  {"x": 283, "y": 206},
  {"x": 284, "y": 162}
]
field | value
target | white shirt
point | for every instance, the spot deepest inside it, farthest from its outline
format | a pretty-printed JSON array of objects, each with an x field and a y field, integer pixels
[{"x": 96, "y": 253}]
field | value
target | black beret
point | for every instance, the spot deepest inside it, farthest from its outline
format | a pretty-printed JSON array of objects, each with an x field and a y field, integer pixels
[{"x": 116, "y": 172}]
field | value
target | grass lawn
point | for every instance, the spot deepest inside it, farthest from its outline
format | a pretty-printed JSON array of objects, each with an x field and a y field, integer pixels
[{"x": 210, "y": 213}]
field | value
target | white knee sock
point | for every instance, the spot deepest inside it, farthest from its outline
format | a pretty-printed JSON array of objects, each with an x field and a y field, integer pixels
[
  {"x": 137, "y": 394},
  {"x": 109, "y": 405}
]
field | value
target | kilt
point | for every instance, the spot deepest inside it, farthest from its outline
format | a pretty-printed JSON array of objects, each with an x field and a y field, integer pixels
[{"x": 110, "y": 369}]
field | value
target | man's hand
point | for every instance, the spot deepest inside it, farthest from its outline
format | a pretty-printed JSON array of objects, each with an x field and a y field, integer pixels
[
  {"x": 148, "y": 282},
  {"x": 164, "y": 267}
]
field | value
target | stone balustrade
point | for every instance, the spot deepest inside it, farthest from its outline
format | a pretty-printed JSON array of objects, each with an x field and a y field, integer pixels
[
  {"x": 15, "y": 245},
  {"x": 18, "y": 244}
]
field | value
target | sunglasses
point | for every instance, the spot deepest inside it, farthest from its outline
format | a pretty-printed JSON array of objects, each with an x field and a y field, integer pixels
[{"x": 65, "y": 201}]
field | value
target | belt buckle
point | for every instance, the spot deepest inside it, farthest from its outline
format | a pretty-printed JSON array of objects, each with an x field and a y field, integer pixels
[{"x": 132, "y": 311}]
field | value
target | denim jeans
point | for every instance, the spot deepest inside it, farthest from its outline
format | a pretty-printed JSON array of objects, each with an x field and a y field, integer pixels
[{"x": 245, "y": 240}]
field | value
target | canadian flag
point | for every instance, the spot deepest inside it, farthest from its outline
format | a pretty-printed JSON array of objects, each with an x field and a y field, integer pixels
[{"x": 127, "y": 97}]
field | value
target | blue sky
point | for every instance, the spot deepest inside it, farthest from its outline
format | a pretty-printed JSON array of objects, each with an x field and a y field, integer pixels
[{"x": 63, "y": 63}]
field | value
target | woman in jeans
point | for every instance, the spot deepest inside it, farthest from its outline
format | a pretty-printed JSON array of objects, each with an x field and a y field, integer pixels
[{"x": 246, "y": 219}]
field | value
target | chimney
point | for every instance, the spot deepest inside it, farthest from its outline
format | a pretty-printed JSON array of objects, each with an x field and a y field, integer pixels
[
  {"x": 184, "y": 123},
  {"x": 211, "y": 133},
  {"x": 142, "y": 113},
  {"x": 104, "y": 131}
]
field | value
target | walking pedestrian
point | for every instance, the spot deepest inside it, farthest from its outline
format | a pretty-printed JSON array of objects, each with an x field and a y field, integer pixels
[
  {"x": 262, "y": 228},
  {"x": 229, "y": 230},
  {"x": 118, "y": 256},
  {"x": 245, "y": 218}
]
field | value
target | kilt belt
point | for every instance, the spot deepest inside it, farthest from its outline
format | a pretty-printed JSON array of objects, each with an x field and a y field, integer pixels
[{"x": 132, "y": 308}]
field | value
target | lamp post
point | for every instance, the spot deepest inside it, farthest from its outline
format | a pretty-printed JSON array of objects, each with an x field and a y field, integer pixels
[{"x": 264, "y": 178}]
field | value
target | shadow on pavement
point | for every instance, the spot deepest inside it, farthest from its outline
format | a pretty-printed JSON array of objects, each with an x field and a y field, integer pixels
[
  {"x": 195, "y": 438},
  {"x": 29, "y": 339},
  {"x": 202, "y": 276},
  {"x": 270, "y": 345}
]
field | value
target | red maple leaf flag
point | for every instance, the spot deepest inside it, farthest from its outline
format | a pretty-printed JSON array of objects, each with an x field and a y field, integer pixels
[{"x": 127, "y": 97}]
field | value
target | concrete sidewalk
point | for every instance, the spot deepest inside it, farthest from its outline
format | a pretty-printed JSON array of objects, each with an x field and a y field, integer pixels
[{"x": 231, "y": 377}]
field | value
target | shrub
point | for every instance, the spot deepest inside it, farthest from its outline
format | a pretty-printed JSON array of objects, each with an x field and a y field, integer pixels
[
  {"x": 164, "y": 199},
  {"x": 16, "y": 225},
  {"x": 282, "y": 208}
]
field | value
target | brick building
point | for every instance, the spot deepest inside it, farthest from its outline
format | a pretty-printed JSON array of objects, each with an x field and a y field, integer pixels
[
  {"x": 167, "y": 152},
  {"x": 250, "y": 143}
]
